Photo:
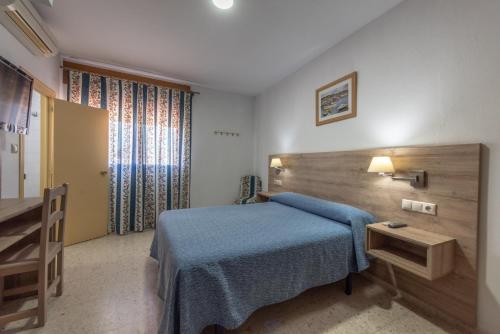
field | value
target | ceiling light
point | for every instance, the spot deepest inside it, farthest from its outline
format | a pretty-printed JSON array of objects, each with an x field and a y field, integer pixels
[{"x": 223, "y": 4}]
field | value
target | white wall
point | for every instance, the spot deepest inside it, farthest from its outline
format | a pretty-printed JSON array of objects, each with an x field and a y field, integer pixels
[
  {"x": 429, "y": 73},
  {"x": 9, "y": 161},
  {"x": 44, "y": 69},
  {"x": 218, "y": 162},
  {"x": 32, "y": 150},
  {"x": 9, "y": 165}
]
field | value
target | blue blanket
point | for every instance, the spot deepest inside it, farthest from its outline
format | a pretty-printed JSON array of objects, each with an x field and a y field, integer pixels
[{"x": 220, "y": 264}]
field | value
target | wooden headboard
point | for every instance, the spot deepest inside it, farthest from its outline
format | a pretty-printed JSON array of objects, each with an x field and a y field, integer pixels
[{"x": 453, "y": 182}]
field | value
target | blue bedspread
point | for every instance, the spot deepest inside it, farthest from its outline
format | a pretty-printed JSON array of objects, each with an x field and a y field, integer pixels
[{"x": 220, "y": 264}]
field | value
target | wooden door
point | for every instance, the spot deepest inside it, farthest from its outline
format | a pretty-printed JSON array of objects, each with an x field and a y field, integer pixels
[{"x": 80, "y": 158}]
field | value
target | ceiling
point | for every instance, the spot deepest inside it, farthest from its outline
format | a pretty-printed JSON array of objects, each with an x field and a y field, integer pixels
[{"x": 245, "y": 49}]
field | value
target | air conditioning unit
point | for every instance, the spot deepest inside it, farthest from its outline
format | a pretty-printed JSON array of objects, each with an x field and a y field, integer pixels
[{"x": 24, "y": 22}]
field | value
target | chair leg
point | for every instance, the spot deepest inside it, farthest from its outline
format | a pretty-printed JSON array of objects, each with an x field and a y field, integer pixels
[
  {"x": 2, "y": 287},
  {"x": 60, "y": 272},
  {"x": 42, "y": 296}
]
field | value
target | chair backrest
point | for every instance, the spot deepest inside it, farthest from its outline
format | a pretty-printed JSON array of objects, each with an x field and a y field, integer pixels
[
  {"x": 53, "y": 217},
  {"x": 250, "y": 185}
]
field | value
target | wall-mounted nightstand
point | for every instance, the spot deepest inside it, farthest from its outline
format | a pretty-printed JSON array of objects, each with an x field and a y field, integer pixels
[
  {"x": 264, "y": 196},
  {"x": 426, "y": 254},
  {"x": 423, "y": 253}
]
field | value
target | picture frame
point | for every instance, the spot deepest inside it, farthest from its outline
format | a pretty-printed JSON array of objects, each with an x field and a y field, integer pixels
[{"x": 337, "y": 100}]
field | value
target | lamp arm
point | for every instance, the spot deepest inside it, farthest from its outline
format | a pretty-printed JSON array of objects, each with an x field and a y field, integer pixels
[
  {"x": 406, "y": 178},
  {"x": 417, "y": 178}
]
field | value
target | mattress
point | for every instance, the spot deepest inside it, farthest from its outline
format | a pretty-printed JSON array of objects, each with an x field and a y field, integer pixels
[{"x": 217, "y": 265}]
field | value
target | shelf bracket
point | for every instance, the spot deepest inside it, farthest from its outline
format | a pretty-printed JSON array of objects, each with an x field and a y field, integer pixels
[{"x": 394, "y": 281}]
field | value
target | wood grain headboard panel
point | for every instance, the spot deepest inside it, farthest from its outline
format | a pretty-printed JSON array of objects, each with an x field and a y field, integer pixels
[{"x": 453, "y": 182}]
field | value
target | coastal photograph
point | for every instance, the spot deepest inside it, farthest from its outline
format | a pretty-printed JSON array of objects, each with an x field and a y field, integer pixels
[{"x": 337, "y": 100}]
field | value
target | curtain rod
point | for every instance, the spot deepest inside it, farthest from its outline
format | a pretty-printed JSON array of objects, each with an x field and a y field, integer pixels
[{"x": 122, "y": 75}]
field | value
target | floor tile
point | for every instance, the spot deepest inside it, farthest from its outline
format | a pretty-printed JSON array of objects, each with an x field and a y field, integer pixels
[{"x": 110, "y": 287}]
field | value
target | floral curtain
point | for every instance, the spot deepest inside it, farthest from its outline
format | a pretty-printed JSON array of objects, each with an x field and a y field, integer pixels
[{"x": 149, "y": 146}]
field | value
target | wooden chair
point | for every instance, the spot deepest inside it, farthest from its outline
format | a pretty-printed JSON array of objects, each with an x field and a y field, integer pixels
[
  {"x": 38, "y": 257},
  {"x": 250, "y": 185}
]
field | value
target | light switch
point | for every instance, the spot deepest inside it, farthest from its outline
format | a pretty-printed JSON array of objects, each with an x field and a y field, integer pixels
[
  {"x": 406, "y": 204},
  {"x": 278, "y": 182},
  {"x": 417, "y": 206},
  {"x": 420, "y": 207}
]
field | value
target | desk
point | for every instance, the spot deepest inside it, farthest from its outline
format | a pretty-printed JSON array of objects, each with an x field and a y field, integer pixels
[
  {"x": 19, "y": 218},
  {"x": 10, "y": 208},
  {"x": 20, "y": 223}
]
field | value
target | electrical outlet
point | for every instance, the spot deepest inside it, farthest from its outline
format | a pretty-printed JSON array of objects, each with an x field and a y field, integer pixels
[
  {"x": 278, "y": 182},
  {"x": 429, "y": 208},
  {"x": 420, "y": 207}
]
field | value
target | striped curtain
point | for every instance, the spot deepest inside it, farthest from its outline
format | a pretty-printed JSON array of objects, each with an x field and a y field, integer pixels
[{"x": 149, "y": 146}]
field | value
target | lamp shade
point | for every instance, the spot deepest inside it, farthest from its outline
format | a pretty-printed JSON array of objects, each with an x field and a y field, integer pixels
[
  {"x": 276, "y": 163},
  {"x": 381, "y": 165}
]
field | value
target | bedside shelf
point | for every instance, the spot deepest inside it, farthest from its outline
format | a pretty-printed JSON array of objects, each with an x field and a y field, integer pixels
[{"x": 426, "y": 254}]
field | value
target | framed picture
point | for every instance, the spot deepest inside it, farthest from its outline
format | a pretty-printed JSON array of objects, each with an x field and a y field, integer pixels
[{"x": 337, "y": 100}]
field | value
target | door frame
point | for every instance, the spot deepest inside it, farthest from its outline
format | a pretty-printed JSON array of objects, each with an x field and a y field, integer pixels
[{"x": 47, "y": 105}]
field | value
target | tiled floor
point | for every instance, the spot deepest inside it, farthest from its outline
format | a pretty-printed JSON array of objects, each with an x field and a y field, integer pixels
[{"x": 110, "y": 288}]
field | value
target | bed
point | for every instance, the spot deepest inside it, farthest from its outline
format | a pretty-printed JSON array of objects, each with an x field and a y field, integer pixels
[{"x": 217, "y": 265}]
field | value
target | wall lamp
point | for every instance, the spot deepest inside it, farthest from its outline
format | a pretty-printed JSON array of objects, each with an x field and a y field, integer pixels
[
  {"x": 384, "y": 167},
  {"x": 277, "y": 165}
]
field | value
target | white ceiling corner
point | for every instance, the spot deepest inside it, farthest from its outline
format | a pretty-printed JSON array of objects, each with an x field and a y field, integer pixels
[
  {"x": 244, "y": 50},
  {"x": 49, "y": 3}
]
